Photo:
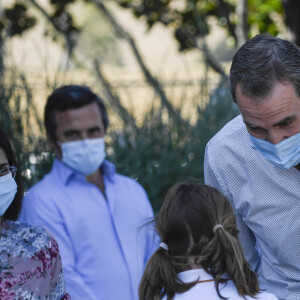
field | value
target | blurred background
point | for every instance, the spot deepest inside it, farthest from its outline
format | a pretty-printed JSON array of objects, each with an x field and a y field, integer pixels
[{"x": 161, "y": 67}]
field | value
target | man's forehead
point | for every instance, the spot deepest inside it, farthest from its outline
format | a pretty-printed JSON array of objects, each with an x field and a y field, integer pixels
[
  {"x": 89, "y": 110},
  {"x": 242, "y": 93},
  {"x": 282, "y": 103},
  {"x": 87, "y": 115}
]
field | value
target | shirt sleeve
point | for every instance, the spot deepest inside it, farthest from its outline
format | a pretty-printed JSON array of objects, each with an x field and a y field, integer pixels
[
  {"x": 41, "y": 211},
  {"x": 57, "y": 284},
  {"x": 246, "y": 236}
]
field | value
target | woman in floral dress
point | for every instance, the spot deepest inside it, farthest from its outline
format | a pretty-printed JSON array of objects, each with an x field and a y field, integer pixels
[{"x": 30, "y": 264}]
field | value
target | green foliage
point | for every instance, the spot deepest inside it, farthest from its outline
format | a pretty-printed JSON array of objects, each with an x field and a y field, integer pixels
[
  {"x": 21, "y": 122},
  {"x": 189, "y": 21},
  {"x": 159, "y": 153},
  {"x": 260, "y": 15},
  {"x": 164, "y": 150},
  {"x": 16, "y": 19}
]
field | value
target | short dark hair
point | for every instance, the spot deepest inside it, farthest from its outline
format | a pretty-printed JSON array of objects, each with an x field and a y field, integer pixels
[
  {"x": 14, "y": 209},
  {"x": 70, "y": 97},
  {"x": 262, "y": 61},
  {"x": 186, "y": 223}
]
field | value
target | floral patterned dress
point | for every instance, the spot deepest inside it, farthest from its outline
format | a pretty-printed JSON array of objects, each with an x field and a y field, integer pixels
[{"x": 30, "y": 264}]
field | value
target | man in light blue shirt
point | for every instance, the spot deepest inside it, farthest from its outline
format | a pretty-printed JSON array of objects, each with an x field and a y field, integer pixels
[
  {"x": 255, "y": 160},
  {"x": 96, "y": 215}
]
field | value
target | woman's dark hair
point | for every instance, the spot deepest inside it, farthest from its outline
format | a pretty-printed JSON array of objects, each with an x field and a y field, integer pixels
[
  {"x": 185, "y": 223},
  {"x": 70, "y": 97},
  {"x": 14, "y": 209},
  {"x": 262, "y": 61}
]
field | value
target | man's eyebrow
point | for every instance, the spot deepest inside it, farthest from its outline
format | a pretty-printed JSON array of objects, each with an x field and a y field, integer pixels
[
  {"x": 252, "y": 125},
  {"x": 279, "y": 123},
  {"x": 70, "y": 131},
  {"x": 94, "y": 127},
  {"x": 284, "y": 121}
]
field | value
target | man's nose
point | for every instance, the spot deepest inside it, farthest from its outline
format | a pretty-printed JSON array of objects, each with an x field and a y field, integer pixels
[
  {"x": 84, "y": 135},
  {"x": 276, "y": 137}
]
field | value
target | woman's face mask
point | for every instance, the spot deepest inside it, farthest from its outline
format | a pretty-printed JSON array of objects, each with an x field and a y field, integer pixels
[{"x": 8, "y": 190}]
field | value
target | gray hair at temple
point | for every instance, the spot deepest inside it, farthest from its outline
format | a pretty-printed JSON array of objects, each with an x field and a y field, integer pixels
[{"x": 262, "y": 61}]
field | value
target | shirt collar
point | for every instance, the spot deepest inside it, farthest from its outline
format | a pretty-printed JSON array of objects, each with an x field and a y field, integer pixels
[
  {"x": 65, "y": 173},
  {"x": 194, "y": 275}
]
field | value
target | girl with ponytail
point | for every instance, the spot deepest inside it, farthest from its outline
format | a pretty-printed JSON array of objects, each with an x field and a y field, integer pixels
[{"x": 200, "y": 256}]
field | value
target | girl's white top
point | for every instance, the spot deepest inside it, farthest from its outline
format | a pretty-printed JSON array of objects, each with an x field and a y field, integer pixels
[{"x": 207, "y": 290}]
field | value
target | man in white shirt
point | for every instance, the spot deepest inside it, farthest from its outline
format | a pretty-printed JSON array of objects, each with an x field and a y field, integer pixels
[{"x": 255, "y": 160}]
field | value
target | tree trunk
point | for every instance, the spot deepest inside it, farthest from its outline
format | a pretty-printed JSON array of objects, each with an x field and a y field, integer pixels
[
  {"x": 241, "y": 30},
  {"x": 292, "y": 20}
]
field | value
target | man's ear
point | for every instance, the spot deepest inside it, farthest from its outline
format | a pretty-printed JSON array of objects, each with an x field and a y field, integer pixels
[{"x": 55, "y": 146}]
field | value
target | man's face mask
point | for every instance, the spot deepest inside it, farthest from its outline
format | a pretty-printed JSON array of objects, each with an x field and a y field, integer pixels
[
  {"x": 285, "y": 154},
  {"x": 84, "y": 156}
]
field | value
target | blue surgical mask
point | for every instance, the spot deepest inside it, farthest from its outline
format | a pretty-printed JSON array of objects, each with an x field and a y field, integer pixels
[
  {"x": 8, "y": 190},
  {"x": 84, "y": 156},
  {"x": 285, "y": 154}
]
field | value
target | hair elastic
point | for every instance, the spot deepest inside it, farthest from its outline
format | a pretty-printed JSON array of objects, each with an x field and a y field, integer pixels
[
  {"x": 216, "y": 227},
  {"x": 164, "y": 246}
]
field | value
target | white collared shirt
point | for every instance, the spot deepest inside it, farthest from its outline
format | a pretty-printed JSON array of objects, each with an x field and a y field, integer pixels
[{"x": 207, "y": 291}]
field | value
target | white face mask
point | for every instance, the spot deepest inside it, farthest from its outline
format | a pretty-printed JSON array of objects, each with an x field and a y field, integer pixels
[
  {"x": 8, "y": 190},
  {"x": 84, "y": 156}
]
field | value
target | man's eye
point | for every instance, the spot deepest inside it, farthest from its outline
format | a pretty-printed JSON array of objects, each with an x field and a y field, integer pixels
[
  {"x": 255, "y": 129},
  {"x": 71, "y": 134},
  {"x": 286, "y": 124},
  {"x": 4, "y": 171},
  {"x": 95, "y": 131}
]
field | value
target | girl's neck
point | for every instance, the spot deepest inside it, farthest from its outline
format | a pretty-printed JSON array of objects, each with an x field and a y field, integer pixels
[{"x": 192, "y": 263}]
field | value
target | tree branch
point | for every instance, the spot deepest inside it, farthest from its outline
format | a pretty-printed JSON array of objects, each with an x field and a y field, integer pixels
[
  {"x": 69, "y": 37},
  {"x": 113, "y": 98},
  {"x": 225, "y": 10},
  {"x": 211, "y": 61},
  {"x": 121, "y": 33},
  {"x": 241, "y": 29}
]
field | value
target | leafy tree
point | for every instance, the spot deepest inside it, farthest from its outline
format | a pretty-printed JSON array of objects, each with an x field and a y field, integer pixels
[
  {"x": 188, "y": 19},
  {"x": 292, "y": 8},
  {"x": 168, "y": 151}
]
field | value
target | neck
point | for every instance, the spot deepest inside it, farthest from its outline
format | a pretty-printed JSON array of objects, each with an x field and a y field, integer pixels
[
  {"x": 97, "y": 179},
  {"x": 192, "y": 263}
]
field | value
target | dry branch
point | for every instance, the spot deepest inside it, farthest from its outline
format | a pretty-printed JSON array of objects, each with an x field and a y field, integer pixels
[{"x": 122, "y": 33}]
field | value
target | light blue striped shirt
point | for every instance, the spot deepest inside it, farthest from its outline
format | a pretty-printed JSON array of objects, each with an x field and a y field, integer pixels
[{"x": 266, "y": 199}]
